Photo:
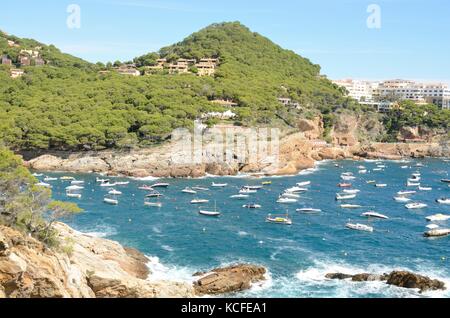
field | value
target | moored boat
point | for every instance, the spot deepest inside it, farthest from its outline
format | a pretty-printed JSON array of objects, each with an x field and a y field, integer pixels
[
  {"x": 359, "y": 227},
  {"x": 437, "y": 233},
  {"x": 111, "y": 201},
  {"x": 438, "y": 217},
  {"x": 308, "y": 210},
  {"x": 416, "y": 205},
  {"x": 284, "y": 220},
  {"x": 443, "y": 201},
  {"x": 376, "y": 215}
]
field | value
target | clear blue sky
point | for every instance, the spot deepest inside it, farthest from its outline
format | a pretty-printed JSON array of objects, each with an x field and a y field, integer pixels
[{"x": 413, "y": 41}]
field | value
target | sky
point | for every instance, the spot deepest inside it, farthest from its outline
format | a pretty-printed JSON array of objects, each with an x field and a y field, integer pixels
[{"x": 373, "y": 40}]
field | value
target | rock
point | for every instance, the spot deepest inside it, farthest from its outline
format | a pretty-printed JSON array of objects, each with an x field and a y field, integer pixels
[
  {"x": 312, "y": 129},
  {"x": 338, "y": 276},
  {"x": 410, "y": 133},
  {"x": 95, "y": 267},
  {"x": 410, "y": 280},
  {"x": 229, "y": 279},
  {"x": 85, "y": 164},
  {"x": 45, "y": 163},
  {"x": 366, "y": 277}
]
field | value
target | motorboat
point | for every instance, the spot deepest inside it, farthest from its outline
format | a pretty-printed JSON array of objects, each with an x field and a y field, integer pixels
[
  {"x": 425, "y": 188},
  {"x": 359, "y": 227},
  {"x": 402, "y": 199},
  {"x": 413, "y": 184},
  {"x": 219, "y": 185},
  {"x": 111, "y": 201},
  {"x": 266, "y": 182},
  {"x": 199, "y": 201},
  {"x": 160, "y": 185},
  {"x": 47, "y": 179},
  {"x": 76, "y": 182},
  {"x": 350, "y": 206},
  {"x": 66, "y": 178},
  {"x": 406, "y": 192},
  {"x": 154, "y": 194},
  {"x": 345, "y": 197},
  {"x": 252, "y": 206},
  {"x": 345, "y": 185},
  {"x": 376, "y": 215},
  {"x": 347, "y": 174},
  {"x": 153, "y": 204},
  {"x": 295, "y": 190},
  {"x": 445, "y": 180},
  {"x": 351, "y": 191},
  {"x": 73, "y": 195},
  {"x": 189, "y": 191},
  {"x": 438, "y": 217},
  {"x": 44, "y": 185},
  {"x": 361, "y": 167},
  {"x": 252, "y": 188},
  {"x": 371, "y": 182},
  {"x": 437, "y": 233},
  {"x": 416, "y": 205},
  {"x": 378, "y": 169},
  {"x": 121, "y": 183},
  {"x": 415, "y": 179},
  {"x": 146, "y": 188},
  {"x": 74, "y": 188},
  {"x": 443, "y": 201},
  {"x": 381, "y": 185},
  {"x": 286, "y": 200},
  {"x": 214, "y": 213},
  {"x": 247, "y": 191},
  {"x": 114, "y": 192},
  {"x": 37, "y": 174},
  {"x": 404, "y": 167},
  {"x": 381, "y": 166},
  {"x": 107, "y": 184},
  {"x": 240, "y": 196},
  {"x": 284, "y": 220},
  {"x": 348, "y": 178},
  {"x": 308, "y": 210},
  {"x": 364, "y": 171},
  {"x": 432, "y": 226},
  {"x": 101, "y": 180},
  {"x": 290, "y": 195},
  {"x": 303, "y": 184}
]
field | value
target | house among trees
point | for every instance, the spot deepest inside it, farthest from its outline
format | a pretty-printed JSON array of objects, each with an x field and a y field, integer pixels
[
  {"x": 289, "y": 102},
  {"x": 24, "y": 60},
  {"x": 206, "y": 67},
  {"x": 225, "y": 102},
  {"x": 15, "y": 73},
  {"x": 128, "y": 70},
  {"x": 181, "y": 66},
  {"x": 6, "y": 60},
  {"x": 39, "y": 61},
  {"x": 12, "y": 44}
]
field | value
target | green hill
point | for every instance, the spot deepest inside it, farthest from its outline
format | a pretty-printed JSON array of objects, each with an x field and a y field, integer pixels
[{"x": 68, "y": 105}]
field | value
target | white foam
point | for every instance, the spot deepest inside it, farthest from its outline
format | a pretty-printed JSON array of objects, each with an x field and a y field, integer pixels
[
  {"x": 100, "y": 231},
  {"x": 159, "y": 271},
  {"x": 149, "y": 178},
  {"x": 167, "y": 248},
  {"x": 242, "y": 233}
]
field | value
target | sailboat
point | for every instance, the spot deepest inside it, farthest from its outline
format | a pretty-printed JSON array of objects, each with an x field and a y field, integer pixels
[{"x": 210, "y": 213}]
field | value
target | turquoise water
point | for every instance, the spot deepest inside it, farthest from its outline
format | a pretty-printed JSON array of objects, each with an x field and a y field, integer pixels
[{"x": 180, "y": 242}]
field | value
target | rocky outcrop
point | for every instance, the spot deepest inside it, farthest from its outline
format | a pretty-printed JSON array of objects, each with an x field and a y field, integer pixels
[
  {"x": 311, "y": 128},
  {"x": 83, "y": 266},
  {"x": 397, "y": 278},
  {"x": 229, "y": 279}
]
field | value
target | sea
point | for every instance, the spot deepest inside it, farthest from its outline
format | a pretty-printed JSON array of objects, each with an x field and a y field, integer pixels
[{"x": 179, "y": 241}]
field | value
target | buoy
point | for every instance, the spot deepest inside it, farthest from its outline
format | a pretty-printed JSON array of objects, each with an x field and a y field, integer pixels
[{"x": 129, "y": 220}]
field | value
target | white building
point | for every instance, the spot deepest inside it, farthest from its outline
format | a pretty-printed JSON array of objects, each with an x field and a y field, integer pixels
[{"x": 362, "y": 91}]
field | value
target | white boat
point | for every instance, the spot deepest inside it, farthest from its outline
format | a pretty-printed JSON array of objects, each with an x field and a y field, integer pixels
[
  {"x": 350, "y": 206},
  {"x": 200, "y": 189},
  {"x": 286, "y": 200},
  {"x": 74, "y": 188},
  {"x": 438, "y": 217},
  {"x": 240, "y": 196},
  {"x": 345, "y": 197},
  {"x": 415, "y": 179},
  {"x": 247, "y": 191},
  {"x": 351, "y": 191},
  {"x": 377, "y": 169},
  {"x": 76, "y": 182},
  {"x": 46, "y": 179},
  {"x": 443, "y": 201},
  {"x": 437, "y": 233},
  {"x": 432, "y": 226},
  {"x": 425, "y": 188},
  {"x": 381, "y": 166},
  {"x": 308, "y": 210},
  {"x": 361, "y": 167},
  {"x": 376, "y": 215},
  {"x": 416, "y": 174},
  {"x": 303, "y": 184},
  {"x": 347, "y": 174},
  {"x": 153, "y": 204},
  {"x": 252, "y": 206},
  {"x": 348, "y": 178},
  {"x": 160, "y": 185},
  {"x": 111, "y": 201},
  {"x": 43, "y": 184},
  {"x": 404, "y": 167},
  {"x": 359, "y": 227},
  {"x": 154, "y": 194},
  {"x": 120, "y": 183},
  {"x": 295, "y": 190},
  {"x": 66, "y": 178},
  {"x": 214, "y": 213},
  {"x": 406, "y": 192},
  {"x": 146, "y": 188},
  {"x": 73, "y": 195},
  {"x": 189, "y": 191},
  {"x": 381, "y": 185},
  {"x": 37, "y": 174},
  {"x": 199, "y": 201},
  {"x": 279, "y": 219},
  {"x": 402, "y": 199},
  {"x": 416, "y": 205},
  {"x": 114, "y": 192},
  {"x": 413, "y": 184},
  {"x": 101, "y": 180},
  {"x": 219, "y": 185},
  {"x": 107, "y": 184},
  {"x": 364, "y": 171},
  {"x": 253, "y": 188},
  {"x": 290, "y": 195}
]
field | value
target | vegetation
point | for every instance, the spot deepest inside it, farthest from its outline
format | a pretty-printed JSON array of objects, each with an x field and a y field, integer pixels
[{"x": 25, "y": 206}]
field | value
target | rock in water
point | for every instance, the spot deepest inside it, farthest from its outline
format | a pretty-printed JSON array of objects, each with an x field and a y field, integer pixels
[
  {"x": 410, "y": 280},
  {"x": 229, "y": 279},
  {"x": 338, "y": 276}
]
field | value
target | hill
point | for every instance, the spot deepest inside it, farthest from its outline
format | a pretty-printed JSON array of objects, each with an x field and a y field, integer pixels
[{"x": 67, "y": 104}]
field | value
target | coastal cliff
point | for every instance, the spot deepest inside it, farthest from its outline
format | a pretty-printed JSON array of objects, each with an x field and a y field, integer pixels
[
  {"x": 83, "y": 267},
  {"x": 352, "y": 137}
]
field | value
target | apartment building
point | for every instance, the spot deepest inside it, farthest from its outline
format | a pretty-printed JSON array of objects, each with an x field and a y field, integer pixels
[{"x": 362, "y": 91}]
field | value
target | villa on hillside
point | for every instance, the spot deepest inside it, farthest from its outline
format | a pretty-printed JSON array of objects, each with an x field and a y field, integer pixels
[
  {"x": 15, "y": 73},
  {"x": 289, "y": 102},
  {"x": 225, "y": 102},
  {"x": 6, "y": 60},
  {"x": 24, "y": 60},
  {"x": 128, "y": 70},
  {"x": 39, "y": 61},
  {"x": 206, "y": 67},
  {"x": 179, "y": 67},
  {"x": 12, "y": 44}
]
